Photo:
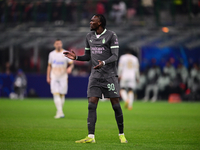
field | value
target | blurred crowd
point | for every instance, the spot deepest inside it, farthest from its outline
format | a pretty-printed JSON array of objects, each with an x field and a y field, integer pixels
[
  {"x": 16, "y": 11},
  {"x": 156, "y": 83}
]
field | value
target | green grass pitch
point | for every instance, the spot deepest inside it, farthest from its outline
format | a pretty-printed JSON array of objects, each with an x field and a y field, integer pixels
[{"x": 29, "y": 125}]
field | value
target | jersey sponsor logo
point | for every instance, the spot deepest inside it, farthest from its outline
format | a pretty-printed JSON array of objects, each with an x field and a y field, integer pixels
[
  {"x": 97, "y": 50},
  {"x": 103, "y": 41},
  {"x": 58, "y": 62}
]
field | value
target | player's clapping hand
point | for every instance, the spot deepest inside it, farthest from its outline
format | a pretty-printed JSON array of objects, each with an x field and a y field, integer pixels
[
  {"x": 70, "y": 54},
  {"x": 99, "y": 65}
]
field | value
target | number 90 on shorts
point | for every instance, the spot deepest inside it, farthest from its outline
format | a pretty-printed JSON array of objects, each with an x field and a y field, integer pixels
[{"x": 111, "y": 87}]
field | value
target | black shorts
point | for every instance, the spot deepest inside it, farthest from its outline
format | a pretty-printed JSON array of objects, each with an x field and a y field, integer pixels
[{"x": 108, "y": 87}]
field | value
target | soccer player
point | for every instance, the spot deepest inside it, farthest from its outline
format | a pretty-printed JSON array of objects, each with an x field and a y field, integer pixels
[
  {"x": 57, "y": 76},
  {"x": 102, "y": 49},
  {"x": 128, "y": 72}
]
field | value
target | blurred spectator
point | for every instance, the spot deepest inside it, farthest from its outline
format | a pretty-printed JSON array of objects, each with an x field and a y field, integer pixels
[
  {"x": 131, "y": 8},
  {"x": 195, "y": 7},
  {"x": 12, "y": 11},
  {"x": 170, "y": 70},
  {"x": 141, "y": 85},
  {"x": 20, "y": 84},
  {"x": 152, "y": 78},
  {"x": 118, "y": 11},
  {"x": 41, "y": 11},
  {"x": 193, "y": 91},
  {"x": 28, "y": 12},
  {"x": 183, "y": 72},
  {"x": 70, "y": 8},
  {"x": 194, "y": 75},
  {"x": 88, "y": 10},
  {"x": 178, "y": 6},
  {"x": 6, "y": 84},
  {"x": 100, "y": 8},
  {"x": 57, "y": 11},
  {"x": 148, "y": 6},
  {"x": 8, "y": 68},
  {"x": 195, "y": 71},
  {"x": 163, "y": 87},
  {"x": 176, "y": 85},
  {"x": 2, "y": 7}
]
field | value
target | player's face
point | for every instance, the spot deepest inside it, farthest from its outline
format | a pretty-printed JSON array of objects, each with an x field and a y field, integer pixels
[
  {"x": 94, "y": 23},
  {"x": 58, "y": 45}
]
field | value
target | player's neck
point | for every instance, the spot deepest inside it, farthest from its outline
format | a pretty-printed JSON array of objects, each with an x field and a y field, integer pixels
[
  {"x": 99, "y": 30},
  {"x": 57, "y": 50}
]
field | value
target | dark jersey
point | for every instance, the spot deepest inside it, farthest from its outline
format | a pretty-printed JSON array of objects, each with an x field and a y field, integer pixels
[{"x": 104, "y": 47}]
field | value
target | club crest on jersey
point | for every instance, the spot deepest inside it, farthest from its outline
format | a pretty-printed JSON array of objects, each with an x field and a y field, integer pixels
[{"x": 103, "y": 41}]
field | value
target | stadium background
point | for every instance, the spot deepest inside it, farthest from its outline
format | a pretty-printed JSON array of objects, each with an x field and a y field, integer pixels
[{"x": 156, "y": 30}]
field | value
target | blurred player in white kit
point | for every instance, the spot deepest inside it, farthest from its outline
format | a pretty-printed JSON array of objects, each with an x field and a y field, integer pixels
[
  {"x": 57, "y": 76},
  {"x": 128, "y": 72}
]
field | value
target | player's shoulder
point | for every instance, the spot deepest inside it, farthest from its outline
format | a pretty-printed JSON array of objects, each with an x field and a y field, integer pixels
[
  {"x": 90, "y": 33},
  {"x": 123, "y": 57},
  {"x": 52, "y": 52},
  {"x": 64, "y": 50},
  {"x": 133, "y": 57},
  {"x": 111, "y": 32}
]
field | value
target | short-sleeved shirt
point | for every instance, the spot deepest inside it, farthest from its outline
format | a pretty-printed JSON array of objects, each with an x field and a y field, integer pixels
[
  {"x": 128, "y": 67},
  {"x": 100, "y": 47},
  {"x": 59, "y": 64}
]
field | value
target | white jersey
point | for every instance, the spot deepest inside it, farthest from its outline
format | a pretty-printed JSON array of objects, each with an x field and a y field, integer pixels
[
  {"x": 128, "y": 67},
  {"x": 59, "y": 64}
]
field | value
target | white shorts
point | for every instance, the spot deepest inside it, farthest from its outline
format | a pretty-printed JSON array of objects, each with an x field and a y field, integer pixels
[
  {"x": 127, "y": 83},
  {"x": 59, "y": 86}
]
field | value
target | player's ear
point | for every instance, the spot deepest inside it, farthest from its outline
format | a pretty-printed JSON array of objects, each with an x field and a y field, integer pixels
[{"x": 99, "y": 23}]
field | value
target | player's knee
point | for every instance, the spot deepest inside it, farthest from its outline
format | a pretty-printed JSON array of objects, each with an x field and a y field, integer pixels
[
  {"x": 92, "y": 106},
  {"x": 114, "y": 101},
  {"x": 93, "y": 100},
  {"x": 117, "y": 108}
]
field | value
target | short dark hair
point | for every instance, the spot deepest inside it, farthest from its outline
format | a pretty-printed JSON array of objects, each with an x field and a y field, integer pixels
[
  {"x": 58, "y": 40},
  {"x": 102, "y": 20}
]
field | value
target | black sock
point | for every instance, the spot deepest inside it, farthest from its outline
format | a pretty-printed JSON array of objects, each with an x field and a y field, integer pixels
[
  {"x": 92, "y": 117},
  {"x": 119, "y": 117}
]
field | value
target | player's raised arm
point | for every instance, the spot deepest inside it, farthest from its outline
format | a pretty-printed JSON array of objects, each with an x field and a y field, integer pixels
[
  {"x": 86, "y": 57},
  {"x": 70, "y": 55}
]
